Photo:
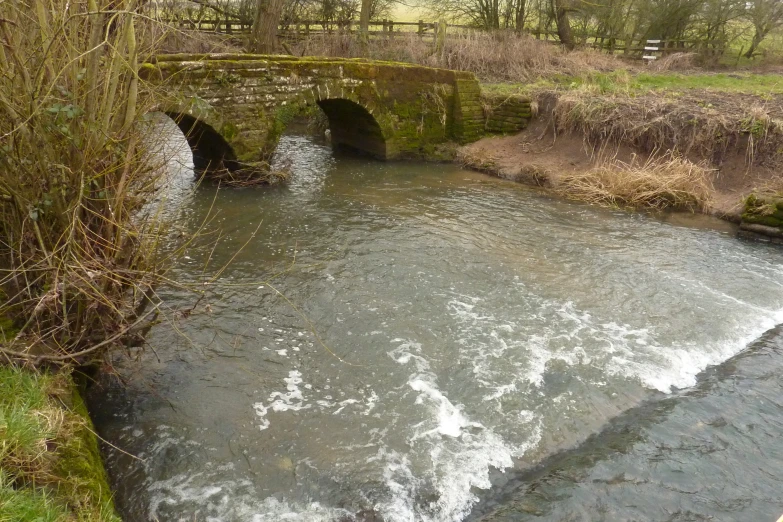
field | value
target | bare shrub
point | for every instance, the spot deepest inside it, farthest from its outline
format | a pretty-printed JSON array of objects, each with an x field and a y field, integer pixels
[
  {"x": 505, "y": 56},
  {"x": 496, "y": 56},
  {"x": 196, "y": 42},
  {"x": 667, "y": 181},
  {"x": 77, "y": 259}
]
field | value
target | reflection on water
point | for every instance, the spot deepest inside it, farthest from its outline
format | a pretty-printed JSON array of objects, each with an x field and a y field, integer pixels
[{"x": 400, "y": 338}]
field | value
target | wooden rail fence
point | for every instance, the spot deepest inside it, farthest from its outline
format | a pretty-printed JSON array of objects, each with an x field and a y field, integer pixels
[{"x": 390, "y": 29}]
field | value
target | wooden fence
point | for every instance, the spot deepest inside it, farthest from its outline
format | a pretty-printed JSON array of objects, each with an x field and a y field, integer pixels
[
  {"x": 307, "y": 28},
  {"x": 390, "y": 29}
]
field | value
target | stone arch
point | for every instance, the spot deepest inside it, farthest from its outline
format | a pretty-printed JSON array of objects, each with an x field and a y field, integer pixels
[
  {"x": 354, "y": 127},
  {"x": 210, "y": 149}
]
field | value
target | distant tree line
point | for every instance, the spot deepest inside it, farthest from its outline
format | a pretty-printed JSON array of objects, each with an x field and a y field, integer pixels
[{"x": 714, "y": 23}]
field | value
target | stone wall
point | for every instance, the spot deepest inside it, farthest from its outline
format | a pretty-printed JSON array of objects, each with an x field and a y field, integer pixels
[
  {"x": 505, "y": 114},
  {"x": 389, "y": 110},
  {"x": 763, "y": 217}
]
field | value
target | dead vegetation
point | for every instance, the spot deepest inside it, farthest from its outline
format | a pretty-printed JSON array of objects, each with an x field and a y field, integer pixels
[
  {"x": 251, "y": 175},
  {"x": 675, "y": 62},
  {"x": 196, "y": 42},
  {"x": 660, "y": 182},
  {"x": 701, "y": 125},
  {"x": 496, "y": 56},
  {"x": 78, "y": 260}
]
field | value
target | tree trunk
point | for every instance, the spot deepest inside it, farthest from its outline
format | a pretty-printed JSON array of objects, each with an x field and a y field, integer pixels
[
  {"x": 561, "y": 8},
  {"x": 519, "y": 18},
  {"x": 364, "y": 21},
  {"x": 264, "y": 35},
  {"x": 757, "y": 38}
]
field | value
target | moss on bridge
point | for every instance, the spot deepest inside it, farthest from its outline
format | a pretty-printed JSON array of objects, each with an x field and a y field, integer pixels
[{"x": 398, "y": 110}]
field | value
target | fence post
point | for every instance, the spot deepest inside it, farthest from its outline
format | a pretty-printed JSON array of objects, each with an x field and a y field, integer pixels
[
  {"x": 440, "y": 40},
  {"x": 391, "y": 29},
  {"x": 421, "y": 28}
]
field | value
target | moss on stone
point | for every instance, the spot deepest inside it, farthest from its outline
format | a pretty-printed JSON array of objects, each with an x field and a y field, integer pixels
[
  {"x": 763, "y": 211},
  {"x": 229, "y": 131},
  {"x": 67, "y": 480},
  {"x": 80, "y": 461}
]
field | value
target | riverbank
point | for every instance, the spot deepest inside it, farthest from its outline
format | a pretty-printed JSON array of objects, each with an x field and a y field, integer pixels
[
  {"x": 665, "y": 141},
  {"x": 50, "y": 465}
]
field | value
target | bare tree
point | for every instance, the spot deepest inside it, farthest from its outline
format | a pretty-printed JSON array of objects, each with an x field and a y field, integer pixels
[{"x": 765, "y": 15}]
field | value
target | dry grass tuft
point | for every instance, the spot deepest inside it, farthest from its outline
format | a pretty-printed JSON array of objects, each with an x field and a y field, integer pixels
[
  {"x": 477, "y": 159},
  {"x": 659, "y": 183},
  {"x": 675, "y": 62}
]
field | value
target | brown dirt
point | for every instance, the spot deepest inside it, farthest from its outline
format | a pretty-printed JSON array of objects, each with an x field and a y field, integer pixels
[{"x": 539, "y": 156}]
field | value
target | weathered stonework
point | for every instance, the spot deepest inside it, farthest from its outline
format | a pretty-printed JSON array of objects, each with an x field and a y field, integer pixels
[
  {"x": 762, "y": 217},
  {"x": 506, "y": 115},
  {"x": 235, "y": 107}
]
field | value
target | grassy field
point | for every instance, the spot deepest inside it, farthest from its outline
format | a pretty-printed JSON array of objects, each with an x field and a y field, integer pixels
[{"x": 634, "y": 84}]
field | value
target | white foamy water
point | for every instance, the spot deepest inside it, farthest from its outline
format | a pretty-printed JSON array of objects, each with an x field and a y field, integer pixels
[{"x": 400, "y": 338}]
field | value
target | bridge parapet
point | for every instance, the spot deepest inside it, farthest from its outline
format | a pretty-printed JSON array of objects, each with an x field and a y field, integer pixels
[{"x": 235, "y": 106}]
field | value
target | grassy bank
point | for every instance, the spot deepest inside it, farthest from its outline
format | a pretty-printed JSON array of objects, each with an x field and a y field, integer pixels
[
  {"x": 635, "y": 83},
  {"x": 725, "y": 131},
  {"x": 701, "y": 142},
  {"x": 50, "y": 468}
]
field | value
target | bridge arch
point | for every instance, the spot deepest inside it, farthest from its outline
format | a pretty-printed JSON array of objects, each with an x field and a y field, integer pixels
[
  {"x": 352, "y": 126},
  {"x": 210, "y": 149}
]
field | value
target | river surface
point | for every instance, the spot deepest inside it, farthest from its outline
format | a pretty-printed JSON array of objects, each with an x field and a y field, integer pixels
[{"x": 415, "y": 342}]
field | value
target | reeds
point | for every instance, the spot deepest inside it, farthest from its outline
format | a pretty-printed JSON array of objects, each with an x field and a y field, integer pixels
[
  {"x": 77, "y": 262},
  {"x": 658, "y": 183}
]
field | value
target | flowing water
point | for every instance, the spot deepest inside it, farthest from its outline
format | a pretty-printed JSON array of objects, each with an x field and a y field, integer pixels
[{"x": 415, "y": 342}]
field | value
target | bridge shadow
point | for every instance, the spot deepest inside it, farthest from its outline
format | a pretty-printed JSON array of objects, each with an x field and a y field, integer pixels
[
  {"x": 352, "y": 127},
  {"x": 210, "y": 149}
]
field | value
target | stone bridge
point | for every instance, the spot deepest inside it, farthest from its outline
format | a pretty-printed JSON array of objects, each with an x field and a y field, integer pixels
[{"x": 234, "y": 107}]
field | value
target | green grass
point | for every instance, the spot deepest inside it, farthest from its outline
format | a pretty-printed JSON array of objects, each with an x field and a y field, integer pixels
[
  {"x": 623, "y": 82},
  {"x": 50, "y": 468},
  {"x": 28, "y": 504}
]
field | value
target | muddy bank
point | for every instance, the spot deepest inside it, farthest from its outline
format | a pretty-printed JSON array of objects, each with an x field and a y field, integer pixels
[{"x": 742, "y": 173}]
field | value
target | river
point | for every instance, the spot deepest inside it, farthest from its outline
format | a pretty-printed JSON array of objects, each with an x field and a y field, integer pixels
[{"x": 416, "y": 342}]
